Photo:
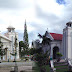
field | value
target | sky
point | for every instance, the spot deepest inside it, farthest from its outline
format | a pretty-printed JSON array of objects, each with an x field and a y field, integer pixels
[{"x": 39, "y": 15}]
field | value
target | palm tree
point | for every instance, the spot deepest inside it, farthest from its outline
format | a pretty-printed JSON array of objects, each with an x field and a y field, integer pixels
[{"x": 40, "y": 56}]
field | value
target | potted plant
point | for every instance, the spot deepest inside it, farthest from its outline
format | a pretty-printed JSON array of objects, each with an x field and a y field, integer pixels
[{"x": 59, "y": 55}]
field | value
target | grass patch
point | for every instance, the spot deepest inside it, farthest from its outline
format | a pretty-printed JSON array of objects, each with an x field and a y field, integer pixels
[
  {"x": 37, "y": 68},
  {"x": 61, "y": 70}
]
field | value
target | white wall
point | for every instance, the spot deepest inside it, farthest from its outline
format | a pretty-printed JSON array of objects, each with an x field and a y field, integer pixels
[
  {"x": 56, "y": 44},
  {"x": 67, "y": 42}
]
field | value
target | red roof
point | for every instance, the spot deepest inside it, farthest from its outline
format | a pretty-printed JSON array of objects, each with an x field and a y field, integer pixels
[{"x": 56, "y": 36}]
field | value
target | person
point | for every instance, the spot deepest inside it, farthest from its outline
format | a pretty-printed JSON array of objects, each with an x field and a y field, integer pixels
[
  {"x": 32, "y": 58},
  {"x": 8, "y": 60},
  {"x": 49, "y": 62}
]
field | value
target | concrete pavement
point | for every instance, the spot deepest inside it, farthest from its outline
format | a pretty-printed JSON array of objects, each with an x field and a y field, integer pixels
[
  {"x": 22, "y": 66},
  {"x": 28, "y": 63}
]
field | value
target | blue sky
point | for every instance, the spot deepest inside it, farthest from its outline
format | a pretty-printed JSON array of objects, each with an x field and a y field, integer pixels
[
  {"x": 39, "y": 15},
  {"x": 61, "y": 2}
]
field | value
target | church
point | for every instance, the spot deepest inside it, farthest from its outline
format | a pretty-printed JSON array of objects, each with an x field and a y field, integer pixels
[
  {"x": 8, "y": 40},
  {"x": 58, "y": 43}
]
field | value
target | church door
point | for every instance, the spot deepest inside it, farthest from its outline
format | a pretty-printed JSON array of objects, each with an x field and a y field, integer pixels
[{"x": 55, "y": 50}]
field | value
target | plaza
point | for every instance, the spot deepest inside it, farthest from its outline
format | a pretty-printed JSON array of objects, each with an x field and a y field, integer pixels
[{"x": 22, "y": 66}]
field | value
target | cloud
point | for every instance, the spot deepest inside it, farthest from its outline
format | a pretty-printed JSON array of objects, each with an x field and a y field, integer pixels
[
  {"x": 8, "y": 3},
  {"x": 15, "y": 4},
  {"x": 49, "y": 19},
  {"x": 39, "y": 14}
]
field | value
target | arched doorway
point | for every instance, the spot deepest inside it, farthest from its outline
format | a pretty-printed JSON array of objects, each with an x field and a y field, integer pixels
[{"x": 55, "y": 50}]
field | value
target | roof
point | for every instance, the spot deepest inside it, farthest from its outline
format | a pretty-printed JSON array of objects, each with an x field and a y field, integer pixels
[
  {"x": 57, "y": 36},
  {"x": 70, "y": 22},
  {"x": 4, "y": 37},
  {"x": 10, "y": 27}
]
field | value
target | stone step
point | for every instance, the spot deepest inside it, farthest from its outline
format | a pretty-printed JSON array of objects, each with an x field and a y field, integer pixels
[
  {"x": 27, "y": 71},
  {"x": 62, "y": 68},
  {"x": 61, "y": 64}
]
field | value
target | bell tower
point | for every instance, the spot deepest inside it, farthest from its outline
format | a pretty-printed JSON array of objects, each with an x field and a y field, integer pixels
[
  {"x": 11, "y": 29},
  {"x": 11, "y": 34},
  {"x": 67, "y": 40}
]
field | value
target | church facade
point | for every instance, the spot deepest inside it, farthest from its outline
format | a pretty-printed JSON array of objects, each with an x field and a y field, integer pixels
[
  {"x": 58, "y": 43},
  {"x": 8, "y": 40}
]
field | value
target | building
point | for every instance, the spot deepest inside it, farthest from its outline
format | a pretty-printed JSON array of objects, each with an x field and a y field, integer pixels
[
  {"x": 58, "y": 42},
  {"x": 8, "y": 40},
  {"x": 67, "y": 40}
]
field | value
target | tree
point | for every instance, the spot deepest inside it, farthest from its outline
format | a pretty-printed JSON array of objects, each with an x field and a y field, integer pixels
[
  {"x": 45, "y": 39},
  {"x": 15, "y": 45},
  {"x": 25, "y": 35},
  {"x": 14, "y": 53},
  {"x": 41, "y": 59},
  {"x": 23, "y": 50},
  {"x": 59, "y": 55},
  {"x": 40, "y": 56},
  {"x": 2, "y": 51},
  {"x": 21, "y": 44},
  {"x": 32, "y": 51}
]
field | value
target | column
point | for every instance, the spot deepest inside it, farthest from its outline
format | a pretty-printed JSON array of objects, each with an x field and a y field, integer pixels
[{"x": 51, "y": 52}]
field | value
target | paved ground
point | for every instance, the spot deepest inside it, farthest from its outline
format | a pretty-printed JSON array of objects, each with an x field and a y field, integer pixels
[
  {"x": 8, "y": 66},
  {"x": 28, "y": 63}
]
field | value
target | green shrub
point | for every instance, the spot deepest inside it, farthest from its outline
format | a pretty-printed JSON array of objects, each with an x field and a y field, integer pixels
[{"x": 59, "y": 54}]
